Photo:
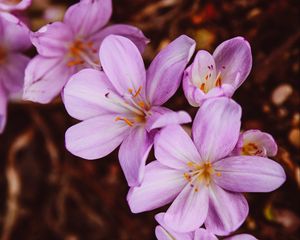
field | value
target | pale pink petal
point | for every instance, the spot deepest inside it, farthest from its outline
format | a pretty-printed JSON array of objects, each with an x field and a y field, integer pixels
[
  {"x": 189, "y": 210},
  {"x": 15, "y": 33},
  {"x": 85, "y": 95},
  {"x": 12, "y": 72},
  {"x": 161, "y": 117},
  {"x": 264, "y": 144},
  {"x": 241, "y": 237},
  {"x": 249, "y": 174},
  {"x": 3, "y": 106},
  {"x": 227, "y": 211},
  {"x": 89, "y": 16},
  {"x": 216, "y": 128},
  {"x": 125, "y": 69},
  {"x": 45, "y": 79},
  {"x": 174, "y": 148},
  {"x": 133, "y": 154},
  {"x": 132, "y": 33},
  {"x": 233, "y": 60},
  {"x": 52, "y": 40},
  {"x": 166, "y": 70},
  {"x": 203, "y": 234},
  {"x": 160, "y": 186},
  {"x": 163, "y": 232},
  {"x": 96, "y": 137},
  {"x": 20, "y": 5}
]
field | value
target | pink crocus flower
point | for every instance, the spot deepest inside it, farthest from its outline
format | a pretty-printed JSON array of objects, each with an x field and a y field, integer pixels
[
  {"x": 67, "y": 47},
  {"x": 202, "y": 181},
  {"x": 14, "y": 39},
  {"x": 163, "y": 232},
  {"x": 122, "y": 104},
  {"x": 10, "y": 5},
  {"x": 219, "y": 74},
  {"x": 255, "y": 143}
]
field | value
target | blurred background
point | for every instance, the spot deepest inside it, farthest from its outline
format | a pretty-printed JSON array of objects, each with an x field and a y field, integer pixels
[{"x": 46, "y": 193}]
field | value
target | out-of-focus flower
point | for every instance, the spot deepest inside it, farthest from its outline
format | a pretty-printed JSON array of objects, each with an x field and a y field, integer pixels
[
  {"x": 10, "y": 5},
  {"x": 219, "y": 74},
  {"x": 123, "y": 103},
  {"x": 14, "y": 39},
  {"x": 163, "y": 232},
  {"x": 255, "y": 143},
  {"x": 66, "y": 47},
  {"x": 204, "y": 184}
]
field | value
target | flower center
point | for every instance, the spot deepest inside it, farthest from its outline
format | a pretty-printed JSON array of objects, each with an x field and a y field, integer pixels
[
  {"x": 2, "y": 55},
  {"x": 208, "y": 83},
  {"x": 200, "y": 173},
  {"x": 134, "y": 103},
  {"x": 251, "y": 149},
  {"x": 81, "y": 52}
]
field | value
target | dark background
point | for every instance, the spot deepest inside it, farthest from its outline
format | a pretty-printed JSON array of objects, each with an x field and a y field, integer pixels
[{"x": 46, "y": 193}]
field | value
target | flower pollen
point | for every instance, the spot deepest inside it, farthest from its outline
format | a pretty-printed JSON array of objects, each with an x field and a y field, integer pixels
[{"x": 251, "y": 149}]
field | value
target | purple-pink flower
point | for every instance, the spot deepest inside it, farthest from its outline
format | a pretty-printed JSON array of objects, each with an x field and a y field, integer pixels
[
  {"x": 122, "y": 104},
  {"x": 255, "y": 143},
  {"x": 14, "y": 39},
  {"x": 163, "y": 232},
  {"x": 66, "y": 47},
  {"x": 219, "y": 74},
  {"x": 10, "y": 5},
  {"x": 202, "y": 181}
]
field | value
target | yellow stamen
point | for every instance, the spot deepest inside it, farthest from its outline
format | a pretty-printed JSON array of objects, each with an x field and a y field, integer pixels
[
  {"x": 126, "y": 120},
  {"x": 138, "y": 92},
  {"x": 218, "y": 80}
]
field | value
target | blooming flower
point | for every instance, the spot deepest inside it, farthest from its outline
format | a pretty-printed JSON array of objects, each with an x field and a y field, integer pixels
[
  {"x": 255, "y": 142},
  {"x": 163, "y": 232},
  {"x": 122, "y": 104},
  {"x": 10, "y": 5},
  {"x": 204, "y": 184},
  {"x": 66, "y": 47},
  {"x": 14, "y": 39},
  {"x": 219, "y": 74}
]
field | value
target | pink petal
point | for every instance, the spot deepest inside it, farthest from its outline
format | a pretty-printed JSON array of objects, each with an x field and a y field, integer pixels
[
  {"x": 12, "y": 72},
  {"x": 3, "y": 106},
  {"x": 159, "y": 187},
  {"x": 265, "y": 143},
  {"x": 241, "y": 237},
  {"x": 96, "y": 137},
  {"x": 165, "y": 72},
  {"x": 174, "y": 148},
  {"x": 227, "y": 211},
  {"x": 45, "y": 78},
  {"x": 133, "y": 154},
  {"x": 89, "y": 16},
  {"x": 249, "y": 174},
  {"x": 216, "y": 128},
  {"x": 163, "y": 232},
  {"x": 125, "y": 69},
  {"x": 15, "y": 33},
  {"x": 52, "y": 39},
  {"x": 161, "y": 117},
  {"x": 203, "y": 234},
  {"x": 132, "y": 33},
  {"x": 85, "y": 95},
  {"x": 234, "y": 60},
  {"x": 188, "y": 211},
  {"x": 18, "y": 6}
]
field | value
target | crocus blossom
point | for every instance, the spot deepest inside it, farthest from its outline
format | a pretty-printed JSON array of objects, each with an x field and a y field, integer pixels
[
  {"x": 122, "y": 104},
  {"x": 66, "y": 47},
  {"x": 163, "y": 232},
  {"x": 219, "y": 74},
  {"x": 10, "y": 5},
  {"x": 14, "y": 39},
  {"x": 255, "y": 142},
  {"x": 199, "y": 177}
]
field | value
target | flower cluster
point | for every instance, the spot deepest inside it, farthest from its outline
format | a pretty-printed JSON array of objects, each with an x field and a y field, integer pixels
[{"x": 99, "y": 72}]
